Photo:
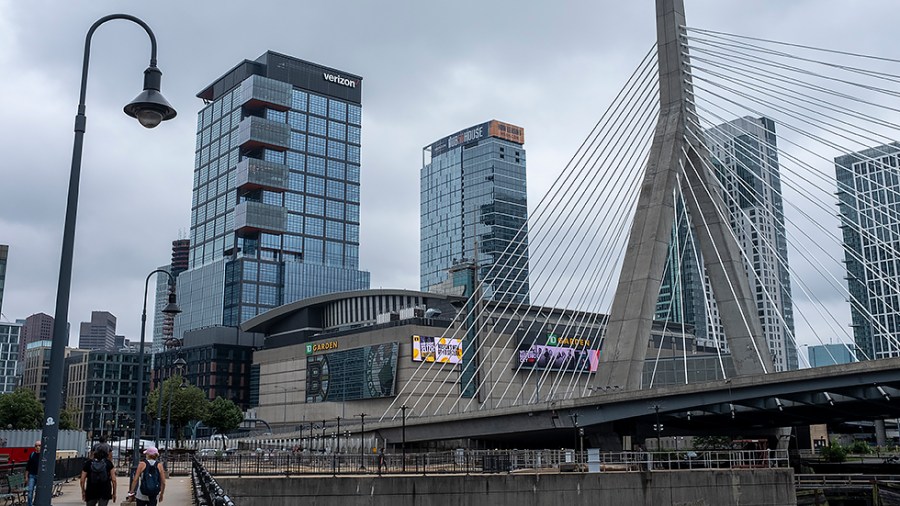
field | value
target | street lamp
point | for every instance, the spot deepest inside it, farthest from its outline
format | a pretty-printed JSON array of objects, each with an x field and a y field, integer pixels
[
  {"x": 362, "y": 437},
  {"x": 403, "y": 409},
  {"x": 338, "y": 432},
  {"x": 150, "y": 108},
  {"x": 170, "y": 309},
  {"x": 171, "y": 343},
  {"x": 179, "y": 366}
]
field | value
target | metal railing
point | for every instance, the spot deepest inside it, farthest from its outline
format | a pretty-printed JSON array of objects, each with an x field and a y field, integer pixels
[
  {"x": 206, "y": 491},
  {"x": 475, "y": 462},
  {"x": 842, "y": 480}
]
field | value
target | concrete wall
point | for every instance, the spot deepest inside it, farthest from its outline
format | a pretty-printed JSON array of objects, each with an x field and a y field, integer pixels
[{"x": 763, "y": 487}]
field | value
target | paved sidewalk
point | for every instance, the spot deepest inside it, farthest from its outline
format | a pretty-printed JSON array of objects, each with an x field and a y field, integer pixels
[{"x": 178, "y": 492}]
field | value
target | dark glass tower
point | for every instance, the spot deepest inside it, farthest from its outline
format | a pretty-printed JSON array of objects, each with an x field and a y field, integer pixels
[
  {"x": 474, "y": 208},
  {"x": 275, "y": 210},
  {"x": 868, "y": 183}
]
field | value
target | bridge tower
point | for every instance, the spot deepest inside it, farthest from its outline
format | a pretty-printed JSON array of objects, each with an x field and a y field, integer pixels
[{"x": 678, "y": 158}]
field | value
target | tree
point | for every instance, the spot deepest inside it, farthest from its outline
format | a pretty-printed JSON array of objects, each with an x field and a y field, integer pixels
[
  {"x": 711, "y": 442},
  {"x": 223, "y": 416},
  {"x": 188, "y": 403},
  {"x": 21, "y": 410},
  {"x": 67, "y": 419}
]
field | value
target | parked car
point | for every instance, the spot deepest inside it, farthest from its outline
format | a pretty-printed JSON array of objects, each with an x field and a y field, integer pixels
[{"x": 206, "y": 453}]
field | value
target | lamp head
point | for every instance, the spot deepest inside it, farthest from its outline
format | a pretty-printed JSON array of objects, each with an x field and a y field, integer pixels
[
  {"x": 150, "y": 108},
  {"x": 171, "y": 308}
]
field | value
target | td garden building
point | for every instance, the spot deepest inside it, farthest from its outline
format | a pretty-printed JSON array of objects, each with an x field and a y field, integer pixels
[{"x": 371, "y": 351}]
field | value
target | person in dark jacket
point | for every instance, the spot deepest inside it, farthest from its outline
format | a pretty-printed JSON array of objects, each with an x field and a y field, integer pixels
[
  {"x": 98, "y": 492},
  {"x": 31, "y": 470}
]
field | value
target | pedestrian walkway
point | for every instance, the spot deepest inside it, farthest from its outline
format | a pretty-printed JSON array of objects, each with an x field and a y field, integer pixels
[{"x": 178, "y": 492}]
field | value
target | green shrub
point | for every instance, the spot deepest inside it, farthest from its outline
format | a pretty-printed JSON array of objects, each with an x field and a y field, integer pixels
[
  {"x": 860, "y": 448},
  {"x": 834, "y": 452}
]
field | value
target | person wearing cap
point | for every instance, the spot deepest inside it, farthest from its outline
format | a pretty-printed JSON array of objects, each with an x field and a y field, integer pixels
[
  {"x": 31, "y": 470},
  {"x": 151, "y": 454}
]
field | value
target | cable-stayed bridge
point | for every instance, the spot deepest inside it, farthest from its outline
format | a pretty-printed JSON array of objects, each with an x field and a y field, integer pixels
[{"x": 740, "y": 191}]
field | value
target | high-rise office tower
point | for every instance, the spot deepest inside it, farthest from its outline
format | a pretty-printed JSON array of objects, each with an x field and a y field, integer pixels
[
  {"x": 745, "y": 154},
  {"x": 99, "y": 333},
  {"x": 164, "y": 324},
  {"x": 4, "y": 254},
  {"x": 275, "y": 212},
  {"x": 474, "y": 208},
  {"x": 869, "y": 196}
]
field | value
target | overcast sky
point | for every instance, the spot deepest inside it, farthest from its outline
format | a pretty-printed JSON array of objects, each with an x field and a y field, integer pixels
[{"x": 429, "y": 69}]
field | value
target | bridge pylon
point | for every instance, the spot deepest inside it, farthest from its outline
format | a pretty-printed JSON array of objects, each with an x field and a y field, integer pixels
[{"x": 678, "y": 157}]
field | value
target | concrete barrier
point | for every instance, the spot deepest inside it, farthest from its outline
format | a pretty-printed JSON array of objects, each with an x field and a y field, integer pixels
[{"x": 750, "y": 487}]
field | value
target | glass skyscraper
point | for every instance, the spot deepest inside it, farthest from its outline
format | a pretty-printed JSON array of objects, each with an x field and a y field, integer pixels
[
  {"x": 745, "y": 155},
  {"x": 275, "y": 209},
  {"x": 869, "y": 198},
  {"x": 474, "y": 209}
]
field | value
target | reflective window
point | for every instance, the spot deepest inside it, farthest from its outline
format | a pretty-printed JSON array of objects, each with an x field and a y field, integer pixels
[
  {"x": 315, "y": 206},
  {"x": 294, "y": 223},
  {"x": 293, "y": 243},
  {"x": 336, "y": 170},
  {"x": 354, "y": 114},
  {"x": 352, "y": 233},
  {"x": 248, "y": 293},
  {"x": 297, "y": 120},
  {"x": 353, "y": 193},
  {"x": 334, "y": 230},
  {"x": 268, "y": 295},
  {"x": 353, "y": 153},
  {"x": 316, "y": 165},
  {"x": 336, "y": 190},
  {"x": 353, "y": 134},
  {"x": 313, "y": 250},
  {"x": 334, "y": 209},
  {"x": 298, "y": 141},
  {"x": 295, "y": 181},
  {"x": 277, "y": 116},
  {"x": 334, "y": 253},
  {"x": 268, "y": 273},
  {"x": 317, "y": 126},
  {"x": 353, "y": 213},
  {"x": 315, "y": 185},
  {"x": 316, "y": 145},
  {"x": 298, "y": 100},
  {"x": 296, "y": 161},
  {"x": 293, "y": 202},
  {"x": 353, "y": 173},
  {"x": 314, "y": 226},
  {"x": 337, "y": 130},
  {"x": 337, "y": 110},
  {"x": 317, "y": 104},
  {"x": 336, "y": 150}
]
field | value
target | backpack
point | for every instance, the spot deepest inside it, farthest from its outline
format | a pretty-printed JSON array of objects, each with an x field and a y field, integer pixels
[
  {"x": 99, "y": 474},
  {"x": 150, "y": 485}
]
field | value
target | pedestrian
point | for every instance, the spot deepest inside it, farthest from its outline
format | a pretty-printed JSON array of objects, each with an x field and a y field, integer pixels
[
  {"x": 149, "y": 482},
  {"x": 98, "y": 480},
  {"x": 31, "y": 470},
  {"x": 101, "y": 444},
  {"x": 381, "y": 460}
]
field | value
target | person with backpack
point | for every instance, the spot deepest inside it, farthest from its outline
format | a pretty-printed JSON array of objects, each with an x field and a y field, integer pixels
[
  {"x": 31, "y": 471},
  {"x": 98, "y": 480},
  {"x": 149, "y": 481}
]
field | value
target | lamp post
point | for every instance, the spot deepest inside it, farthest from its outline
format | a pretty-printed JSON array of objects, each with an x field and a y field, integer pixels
[
  {"x": 150, "y": 108},
  {"x": 179, "y": 366},
  {"x": 362, "y": 437},
  {"x": 338, "y": 432},
  {"x": 170, "y": 309},
  {"x": 170, "y": 343},
  {"x": 403, "y": 409}
]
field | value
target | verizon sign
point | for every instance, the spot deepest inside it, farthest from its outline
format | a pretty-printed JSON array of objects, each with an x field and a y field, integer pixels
[{"x": 337, "y": 79}]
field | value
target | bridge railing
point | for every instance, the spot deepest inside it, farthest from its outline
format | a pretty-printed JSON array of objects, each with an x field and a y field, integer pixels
[
  {"x": 481, "y": 461},
  {"x": 205, "y": 488}
]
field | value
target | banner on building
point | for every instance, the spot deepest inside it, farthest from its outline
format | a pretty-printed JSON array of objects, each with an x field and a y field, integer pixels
[{"x": 437, "y": 349}]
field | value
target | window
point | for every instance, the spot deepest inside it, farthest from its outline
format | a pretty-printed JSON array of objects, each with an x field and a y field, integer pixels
[
  {"x": 317, "y": 126},
  {"x": 334, "y": 209},
  {"x": 316, "y": 165},
  {"x": 277, "y": 116},
  {"x": 337, "y": 110},
  {"x": 298, "y": 100},
  {"x": 312, "y": 250},
  {"x": 336, "y": 190},
  {"x": 315, "y": 185},
  {"x": 293, "y": 243},
  {"x": 268, "y": 295},
  {"x": 297, "y": 120},
  {"x": 336, "y": 150},
  {"x": 353, "y": 193},
  {"x": 298, "y": 141},
  {"x": 354, "y": 114},
  {"x": 295, "y": 181},
  {"x": 293, "y": 202},
  {"x": 353, "y": 173},
  {"x": 353, "y": 213},
  {"x": 294, "y": 224},
  {"x": 316, "y": 146},
  {"x": 337, "y": 130},
  {"x": 353, "y": 134},
  {"x": 353, "y": 153},
  {"x": 249, "y": 293},
  {"x": 334, "y": 230},
  {"x": 334, "y": 253},
  {"x": 317, "y": 105},
  {"x": 314, "y": 226},
  {"x": 315, "y": 206},
  {"x": 336, "y": 170},
  {"x": 268, "y": 273}
]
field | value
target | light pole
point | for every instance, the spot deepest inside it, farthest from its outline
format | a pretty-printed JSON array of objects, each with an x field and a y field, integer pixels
[
  {"x": 150, "y": 108},
  {"x": 179, "y": 366},
  {"x": 170, "y": 309},
  {"x": 362, "y": 437},
  {"x": 403, "y": 409},
  {"x": 338, "y": 432},
  {"x": 170, "y": 343}
]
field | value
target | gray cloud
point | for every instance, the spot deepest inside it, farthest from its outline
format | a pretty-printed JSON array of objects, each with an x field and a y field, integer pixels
[{"x": 430, "y": 69}]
